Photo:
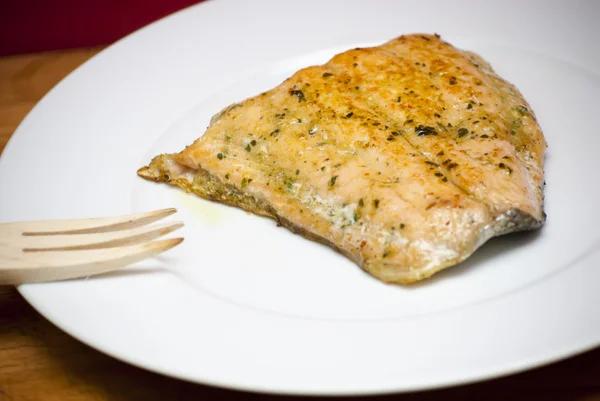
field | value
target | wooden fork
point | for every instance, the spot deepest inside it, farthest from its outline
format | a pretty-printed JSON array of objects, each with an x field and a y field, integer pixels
[{"x": 64, "y": 249}]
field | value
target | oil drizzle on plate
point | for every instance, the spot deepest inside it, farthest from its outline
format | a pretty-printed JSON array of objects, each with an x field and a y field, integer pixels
[{"x": 209, "y": 212}]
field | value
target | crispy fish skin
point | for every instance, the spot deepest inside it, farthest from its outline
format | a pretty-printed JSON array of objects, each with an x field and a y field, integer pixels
[{"x": 405, "y": 157}]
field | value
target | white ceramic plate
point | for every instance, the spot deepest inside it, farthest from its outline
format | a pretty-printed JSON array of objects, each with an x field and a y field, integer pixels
[{"x": 245, "y": 304}]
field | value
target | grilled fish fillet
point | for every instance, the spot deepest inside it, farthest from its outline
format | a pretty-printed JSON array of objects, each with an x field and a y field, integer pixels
[{"x": 405, "y": 157}]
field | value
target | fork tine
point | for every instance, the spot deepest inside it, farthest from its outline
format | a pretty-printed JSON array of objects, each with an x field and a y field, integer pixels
[
  {"x": 94, "y": 225},
  {"x": 45, "y": 243},
  {"x": 62, "y": 265}
]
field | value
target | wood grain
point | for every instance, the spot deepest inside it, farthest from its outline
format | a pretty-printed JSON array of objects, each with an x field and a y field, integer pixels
[{"x": 40, "y": 362}]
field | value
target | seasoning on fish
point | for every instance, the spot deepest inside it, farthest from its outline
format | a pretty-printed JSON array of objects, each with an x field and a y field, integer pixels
[{"x": 405, "y": 157}]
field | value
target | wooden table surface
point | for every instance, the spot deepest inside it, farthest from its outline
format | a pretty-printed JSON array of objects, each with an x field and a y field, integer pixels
[{"x": 40, "y": 362}]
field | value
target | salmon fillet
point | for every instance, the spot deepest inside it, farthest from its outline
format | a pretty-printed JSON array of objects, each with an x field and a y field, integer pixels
[{"x": 405, "y": 157}]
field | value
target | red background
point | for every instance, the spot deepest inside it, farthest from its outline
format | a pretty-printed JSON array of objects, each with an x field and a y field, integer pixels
[{"x": 28, "y": 26}]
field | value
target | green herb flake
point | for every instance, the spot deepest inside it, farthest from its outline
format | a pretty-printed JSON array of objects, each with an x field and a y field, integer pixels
[
  {"x": 462, "y": 132},
  {"x": 220, "y": 156},
  {"x": 248, "y": 148},
  {"x": 402, "y": 226},
  {"x": 298, "y": 93},
  {"x": 361, "y": 203},
  {"x": 399, "y": 99},
  {"x": 227, "y": 176},
  {"x": 422, "y": 130},
  {"x": 332, "y": 181},
  {"x": 297, "y": 172},
  {"x": 470, "y": 106},
  {"x": 253, "y": 142},
  {"x": 376, "y": 203}
]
